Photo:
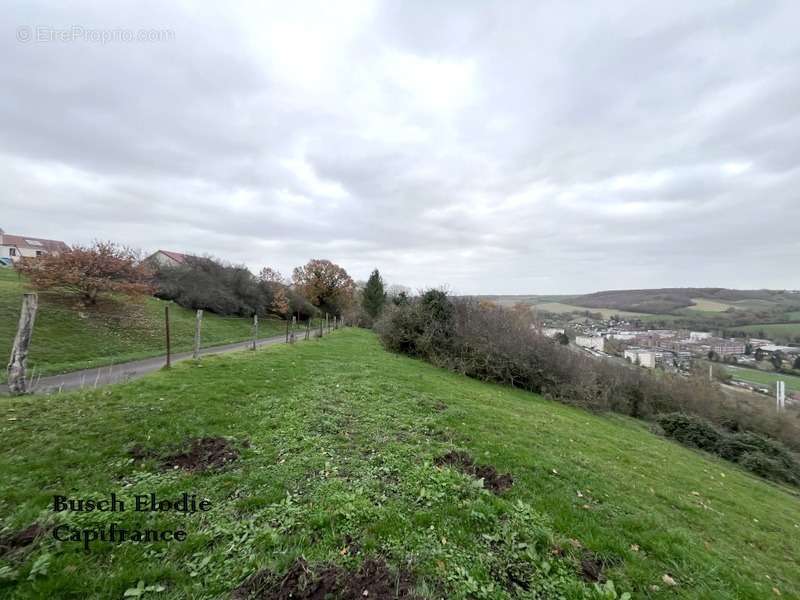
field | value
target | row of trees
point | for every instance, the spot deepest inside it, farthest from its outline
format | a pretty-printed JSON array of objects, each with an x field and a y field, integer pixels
[{"x": 105, "y": 268}]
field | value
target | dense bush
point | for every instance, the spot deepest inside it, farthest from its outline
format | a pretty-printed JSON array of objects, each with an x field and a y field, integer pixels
[
  {"x": 492, "y": 343},
  {"x": 207, "y": 284},
  {"x": 756, "y": 453},
  {"x": 227, "y": 290},
  {"x": 692, "y": 431}
]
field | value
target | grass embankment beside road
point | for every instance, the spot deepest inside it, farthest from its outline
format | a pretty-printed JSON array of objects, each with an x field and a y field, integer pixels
[
  {"x": 338, "y": 443},
  {"x": 779, "y": 332},
  {"x": 68, "y": 337},
  {"x": 764, "y": 377}
]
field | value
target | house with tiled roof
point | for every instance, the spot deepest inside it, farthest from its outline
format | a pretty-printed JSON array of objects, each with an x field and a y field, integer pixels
[
  {"x": 168, "y": 258},
  {"x": 15, "y": 247}
]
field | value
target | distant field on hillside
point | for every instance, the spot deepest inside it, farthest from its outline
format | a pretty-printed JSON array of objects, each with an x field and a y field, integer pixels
[
  {"x": 707, "y": 309},
  {"x": 764, "y": 377},
  {"x": 668, "y": 300},
  {"x": 511, "y": 300},
  {"x": 779, "y": 331},
  {"x": 66, "y": 338},
  {"x": 338, "y": 444},
  {"x": 561, "y": 308},
  {"x": 705, "y": 305}
]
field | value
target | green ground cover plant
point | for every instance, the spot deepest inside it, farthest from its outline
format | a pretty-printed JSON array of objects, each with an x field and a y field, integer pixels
[{"x": 333, "y": 456}]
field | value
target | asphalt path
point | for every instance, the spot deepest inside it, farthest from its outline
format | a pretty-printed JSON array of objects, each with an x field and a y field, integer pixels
[{"x": 91, "y": 378}]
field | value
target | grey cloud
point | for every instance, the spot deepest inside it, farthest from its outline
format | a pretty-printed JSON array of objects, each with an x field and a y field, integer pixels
[{"x": 511, "y": 147}]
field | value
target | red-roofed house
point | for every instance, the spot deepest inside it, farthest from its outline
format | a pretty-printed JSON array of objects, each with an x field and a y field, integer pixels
[
  {"x": 14, "y": 247},
  {"x": 167, "y": 258}
]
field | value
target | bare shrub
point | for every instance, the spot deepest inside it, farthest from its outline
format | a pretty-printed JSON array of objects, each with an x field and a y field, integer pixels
[{"x": 492, "y": 343}]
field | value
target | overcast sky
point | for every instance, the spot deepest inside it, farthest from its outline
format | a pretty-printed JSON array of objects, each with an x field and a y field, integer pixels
[{"x": 496, "y": 147}]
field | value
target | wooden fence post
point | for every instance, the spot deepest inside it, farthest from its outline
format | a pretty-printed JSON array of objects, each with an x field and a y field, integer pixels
[
  {"x": 198, "y": 321},
  {"x": 287, "y": 329},
  {"x": 294, "y": 324},
  {"x": 321, "y": 323},
  {"x": 166, "y": 330},
  {"x": 308, "y": 328},
  {"x": 255, "y": 330},
  {"x": 19, "y": 352}
]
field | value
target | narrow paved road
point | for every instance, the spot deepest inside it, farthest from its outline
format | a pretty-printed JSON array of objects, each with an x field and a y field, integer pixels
[{"x": 89, "y": 378}]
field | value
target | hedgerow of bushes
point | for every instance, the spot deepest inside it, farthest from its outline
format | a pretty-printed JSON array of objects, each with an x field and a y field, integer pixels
[
  {"x": 492, "y": 343},
  {"x": 204, "y": 283},
  {"x": 761, "y": 455}
]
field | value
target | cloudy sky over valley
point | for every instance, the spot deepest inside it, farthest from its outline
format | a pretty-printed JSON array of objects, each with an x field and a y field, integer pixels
[{"x": 496, "y": 147}]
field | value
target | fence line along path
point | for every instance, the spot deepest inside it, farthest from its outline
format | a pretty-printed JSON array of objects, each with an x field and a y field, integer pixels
[{"x": 90, "y": 378}]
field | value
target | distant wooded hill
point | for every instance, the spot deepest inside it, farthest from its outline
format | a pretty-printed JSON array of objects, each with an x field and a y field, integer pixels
[
  {"x": 772, "y": 313},
  {"x": 668, "y": 300}
]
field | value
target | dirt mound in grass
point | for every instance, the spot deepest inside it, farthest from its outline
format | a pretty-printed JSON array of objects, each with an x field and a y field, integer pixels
[
  {"x": 492, "y": 480},
  {"x": 592, "y": 567},
  {"x": 139, "y": 452},
  {"x": 21, "y": 538},
  {"x": 372, "y": 580},
  {"x": 203, "y": 454}
]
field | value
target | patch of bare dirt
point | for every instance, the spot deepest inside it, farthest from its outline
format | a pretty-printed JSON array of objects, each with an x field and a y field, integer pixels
[
  {"x": 21, "y": 538},
  {"x": 492, "y": 480},
  {"x": 372, "y": 580},
  {"x": 203, "y": 454},
  {"x": 592, "y": 567},
  {"x": 139, "y": 452}
]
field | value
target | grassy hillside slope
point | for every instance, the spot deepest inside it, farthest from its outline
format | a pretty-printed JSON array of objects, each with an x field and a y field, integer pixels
[
  {"x": 338, "y": 443},
  {"x": 67, "y": 338}
]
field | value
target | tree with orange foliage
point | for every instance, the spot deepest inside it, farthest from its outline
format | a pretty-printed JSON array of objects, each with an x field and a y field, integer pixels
[
  {"x": 280, "y": 303},
  {"x": 276, "y": 282},
  {"x": 88, "y": 271},
  {"x": 325, "y": 284}
]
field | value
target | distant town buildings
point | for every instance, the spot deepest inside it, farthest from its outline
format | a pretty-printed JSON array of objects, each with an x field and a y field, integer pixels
[
  {"x": 641, "y": 356},
  {"x": 552, "y": 332},
  {"x": 772, "y": 349},
  {"x": 665, "y": 348},
  {"x": 593, "y": 342}
]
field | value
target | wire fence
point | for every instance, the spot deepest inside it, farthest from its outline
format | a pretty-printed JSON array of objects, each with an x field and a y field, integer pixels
[{"x": 181, "y": 335}]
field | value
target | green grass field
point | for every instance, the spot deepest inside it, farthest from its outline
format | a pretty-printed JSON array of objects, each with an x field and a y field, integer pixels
[
  {"x": 66, "y": 338},
  {"x": 706, "y": 305},
  {"x": 764, "y": 377},
  {"x": 338, "y": 441},
  {"x": 775, "y": 331},
  {"x": 560, "y": 308}
]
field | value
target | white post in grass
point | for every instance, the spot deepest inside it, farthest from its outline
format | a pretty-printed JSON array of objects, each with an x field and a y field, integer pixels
[
  {"x": 198, "y": 321},
  {"x": 255, "y": 330},
  {"x": 780, "y": 395},
  {"x": 19, "y": 351}
]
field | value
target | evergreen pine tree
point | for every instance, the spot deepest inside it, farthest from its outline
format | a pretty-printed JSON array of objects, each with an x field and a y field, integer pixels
[{"x": 374, "y": 296}]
